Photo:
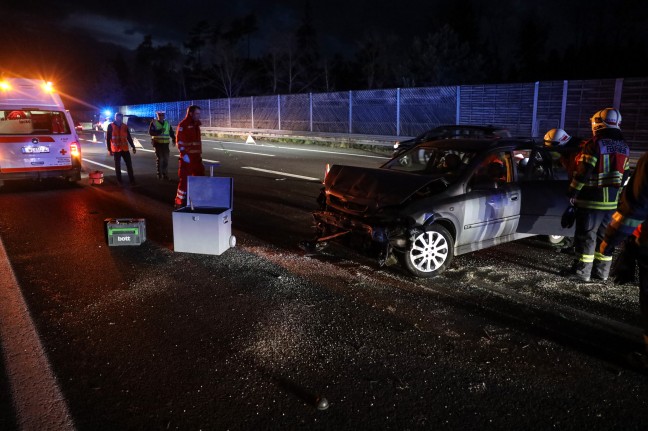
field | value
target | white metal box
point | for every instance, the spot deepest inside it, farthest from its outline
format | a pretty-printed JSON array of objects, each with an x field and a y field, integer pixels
[{"x": 205, "y": 225}]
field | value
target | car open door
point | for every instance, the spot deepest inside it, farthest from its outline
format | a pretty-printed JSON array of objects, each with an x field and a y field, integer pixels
[{"x": 543, "y": 180}]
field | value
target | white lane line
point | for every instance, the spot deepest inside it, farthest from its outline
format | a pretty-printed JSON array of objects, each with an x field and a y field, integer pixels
[
  {"x": 101, "y": 164},
  {"x": 300, "y": 149},
  {"x": 244, "y": 152},
  {"x": 283, "y": 174},
  {"x": 145, "y": 149},
  {"x": 36, "y": 395},
  {"x": 210, "y": 161},
  {"x": 240, "y": 143}
]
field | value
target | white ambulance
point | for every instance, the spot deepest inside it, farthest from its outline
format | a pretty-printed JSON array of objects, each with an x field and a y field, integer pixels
[{"x": 37, "y": 135}]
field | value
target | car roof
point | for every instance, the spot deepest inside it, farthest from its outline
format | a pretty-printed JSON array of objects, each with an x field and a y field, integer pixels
[{"x": 466, "y": 144}]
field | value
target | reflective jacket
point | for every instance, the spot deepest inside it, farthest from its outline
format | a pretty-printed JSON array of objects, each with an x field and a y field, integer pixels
[
  {"x": 188, "y": 138},
  {"x": 602, "y": 167},
  {"x": 632, "y": 212},
  {"x": 119, "y": 137},
  {"x": 161, "y": 132}
]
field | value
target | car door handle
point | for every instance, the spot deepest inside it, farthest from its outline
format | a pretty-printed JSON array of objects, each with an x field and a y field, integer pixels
[{"x": 514, "y": 197}]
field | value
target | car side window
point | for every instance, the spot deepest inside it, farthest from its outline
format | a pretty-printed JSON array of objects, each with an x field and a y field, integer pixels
[
  {"x": 545, "y": 165},
  {"x": 494, "y": 171}
]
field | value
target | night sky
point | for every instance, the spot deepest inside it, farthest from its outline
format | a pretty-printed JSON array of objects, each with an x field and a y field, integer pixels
[{"x": 67, "y": 41}]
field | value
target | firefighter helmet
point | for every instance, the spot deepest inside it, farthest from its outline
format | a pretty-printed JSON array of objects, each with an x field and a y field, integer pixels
[
  {"x": 606, "y": 118},
  {"x": 556, "y": 138}
]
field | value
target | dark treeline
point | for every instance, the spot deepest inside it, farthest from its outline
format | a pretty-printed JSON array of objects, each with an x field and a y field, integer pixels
[{"x": 461, "y": 42}]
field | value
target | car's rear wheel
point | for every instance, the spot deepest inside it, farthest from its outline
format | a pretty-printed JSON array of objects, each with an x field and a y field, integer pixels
[
  {"x": 430, "y": 253},
  {"x": 556, "y": 239}
]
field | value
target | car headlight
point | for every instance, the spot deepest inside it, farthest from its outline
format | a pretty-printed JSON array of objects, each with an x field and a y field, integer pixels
[{"x": 396, "y": 145}]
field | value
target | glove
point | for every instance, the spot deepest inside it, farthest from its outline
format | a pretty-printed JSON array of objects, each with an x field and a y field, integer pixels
[
  {"x": 569, "y": 217},
  {"x": 134, "y": 150},
  {"x": 185, "y": 158}
]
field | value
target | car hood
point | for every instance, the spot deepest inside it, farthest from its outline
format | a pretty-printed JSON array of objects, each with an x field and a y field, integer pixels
[{"x": 361, "y": 190}]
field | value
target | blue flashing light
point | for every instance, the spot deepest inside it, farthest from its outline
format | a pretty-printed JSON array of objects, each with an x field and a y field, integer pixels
[{"x": 107, "y": 113}]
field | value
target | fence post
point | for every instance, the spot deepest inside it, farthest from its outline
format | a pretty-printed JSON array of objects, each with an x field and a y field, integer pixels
[
  {"x": 563, "y": 107},
  {"x": 398, "y": 112},
  {"x": 279, "y": 110},
  {"x": 310, "y": 111},
  {"x": 229, "y": 112},
  {"x": 210, "y": 112},
  {"x": 458, "y": 112},
  {"x": 350, "y": 112},
  {"x": 252, "y": 109},
  {"x": 618, "y": 90},
  {"x": 534, "y": 119}
]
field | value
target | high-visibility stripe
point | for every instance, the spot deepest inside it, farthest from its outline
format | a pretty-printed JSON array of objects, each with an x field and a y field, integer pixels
[
  {"x": 602, "y": 257},
  {"x": 586, "y": 258}
]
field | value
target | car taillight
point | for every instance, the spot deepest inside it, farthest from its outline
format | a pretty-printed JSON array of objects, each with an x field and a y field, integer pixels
[{"x": 74, "y": 149}]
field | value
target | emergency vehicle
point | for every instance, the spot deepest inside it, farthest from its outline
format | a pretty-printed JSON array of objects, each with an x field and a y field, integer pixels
[{"x": 37, "y": 137}]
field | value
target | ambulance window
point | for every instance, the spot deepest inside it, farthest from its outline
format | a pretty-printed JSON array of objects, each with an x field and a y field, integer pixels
[{"x": 33, "y": 122}]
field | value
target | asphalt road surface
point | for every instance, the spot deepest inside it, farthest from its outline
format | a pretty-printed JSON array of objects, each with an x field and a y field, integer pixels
[{"x": 145, "y": 338}]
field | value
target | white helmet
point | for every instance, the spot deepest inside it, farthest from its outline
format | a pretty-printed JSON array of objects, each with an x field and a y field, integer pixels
[
  {"x": 556, "y": 138},
  {"x": 606, "y": 118}
]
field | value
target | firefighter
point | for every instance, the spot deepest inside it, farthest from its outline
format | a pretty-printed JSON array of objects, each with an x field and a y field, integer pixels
[
  {"x": 161, "y": 135},
  {"x": 602, "y": 167},
  {"x": 628, "y": 224},
  {"x": 118, "y": 138},
  {"x": 189, "y": 144},
  {"x": 565, "y": 146}
]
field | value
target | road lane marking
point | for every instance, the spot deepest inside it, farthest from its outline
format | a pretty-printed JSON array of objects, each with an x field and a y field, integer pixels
[
  {"x": 299, "y": 149},
  {"x": 240, "y": 143},
  {"x": 36, "y": 395},
  {"x": 283, "y": 174},
  {"x": 101, "y": 164},
  {"x": 147, "y": 150},
  {"x": 244, "y": 152}
]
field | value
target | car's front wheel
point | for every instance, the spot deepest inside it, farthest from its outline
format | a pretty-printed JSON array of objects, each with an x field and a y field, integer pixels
[{"x": 430, "y": 252}]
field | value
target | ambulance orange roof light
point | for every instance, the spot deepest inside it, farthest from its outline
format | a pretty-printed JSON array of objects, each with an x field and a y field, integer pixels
[{"x": 4, "y": 86}]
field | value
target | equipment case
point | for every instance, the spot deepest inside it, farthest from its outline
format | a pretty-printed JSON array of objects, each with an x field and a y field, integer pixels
[
  {"x": 125, "y": 231},
  {"x": 205, "y": 225}
]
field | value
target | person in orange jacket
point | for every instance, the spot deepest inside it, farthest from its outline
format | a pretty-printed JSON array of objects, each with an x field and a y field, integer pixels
[{"x": 189, "y": 144}]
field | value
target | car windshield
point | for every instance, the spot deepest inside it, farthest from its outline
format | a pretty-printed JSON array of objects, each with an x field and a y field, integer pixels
[
  {"x": 448, "y": 163},
  {"x": 461, "y": 132},
  {"x": 32, "y": 122}
]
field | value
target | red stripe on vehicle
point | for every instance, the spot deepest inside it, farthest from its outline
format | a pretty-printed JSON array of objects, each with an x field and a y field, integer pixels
[
  {"x": 21, "y": 139},
  {"x": 44, "y": 168}
]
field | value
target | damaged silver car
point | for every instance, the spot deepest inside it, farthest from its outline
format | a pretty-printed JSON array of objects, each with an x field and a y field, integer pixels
[{"x": 444, "y": 198}]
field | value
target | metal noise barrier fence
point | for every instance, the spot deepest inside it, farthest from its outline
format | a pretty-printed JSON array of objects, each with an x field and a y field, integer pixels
[{"x": 527, "y": 109}]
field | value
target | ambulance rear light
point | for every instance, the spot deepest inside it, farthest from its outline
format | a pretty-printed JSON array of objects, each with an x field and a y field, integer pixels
[
  {"x": 74, "y": 149},
  {"x": 4, "y": 86}
]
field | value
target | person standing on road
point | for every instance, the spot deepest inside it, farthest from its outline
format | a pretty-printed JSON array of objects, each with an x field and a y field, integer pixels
[
  {"x": 630, "y": 223},
  {"x": 189, "y": 144},
  {"x": 161, "y": 135},
  {"x": 602, "y": 167},
  {"x": 118, "y": 138}
]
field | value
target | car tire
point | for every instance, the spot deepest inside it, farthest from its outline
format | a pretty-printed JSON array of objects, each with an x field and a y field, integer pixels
[
  {"x": 430, "y": 253},
  {"x": 556, "y": 239}
]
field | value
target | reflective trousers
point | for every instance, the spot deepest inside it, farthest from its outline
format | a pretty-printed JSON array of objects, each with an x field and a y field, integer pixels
[
  {"x": 590, "y": 230},
  {"x": 194, "y": 168}
]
